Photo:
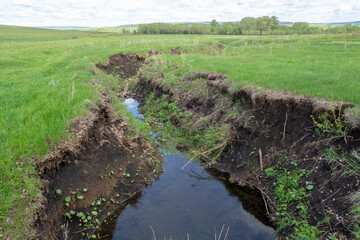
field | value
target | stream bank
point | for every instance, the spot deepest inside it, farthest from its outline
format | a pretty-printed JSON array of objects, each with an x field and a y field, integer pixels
[
  {"x": 85, "y": 180},
  {"x": 286, "y": 147}
]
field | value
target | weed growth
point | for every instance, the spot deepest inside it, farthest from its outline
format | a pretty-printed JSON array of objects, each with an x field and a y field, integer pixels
[
  {"x": 332, "y": 124},
  {"x": 291, "y": 204}
]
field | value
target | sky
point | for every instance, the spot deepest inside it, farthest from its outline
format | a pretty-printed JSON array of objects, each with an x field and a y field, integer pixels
[{"x": 96, "y": 13}]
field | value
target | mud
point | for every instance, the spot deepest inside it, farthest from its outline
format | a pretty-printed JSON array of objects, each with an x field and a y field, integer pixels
[
  {"x": 276, "y": 128},
  {"x": 106, "y": 165}
]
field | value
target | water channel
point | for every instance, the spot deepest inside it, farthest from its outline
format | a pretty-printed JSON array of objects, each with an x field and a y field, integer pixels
[{"x": 187, "y": 203}]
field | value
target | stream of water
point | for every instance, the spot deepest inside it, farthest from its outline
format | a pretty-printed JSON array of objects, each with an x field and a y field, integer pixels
[{"x": 187, "y": 203}]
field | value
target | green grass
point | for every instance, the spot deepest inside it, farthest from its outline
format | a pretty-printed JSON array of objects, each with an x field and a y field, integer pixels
[
  {"x": 318, "y": 66},
  {"x": 45, "y": 83}
]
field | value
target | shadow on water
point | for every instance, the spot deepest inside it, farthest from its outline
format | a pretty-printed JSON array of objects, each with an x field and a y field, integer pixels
[{"x": 189, "y": 203}]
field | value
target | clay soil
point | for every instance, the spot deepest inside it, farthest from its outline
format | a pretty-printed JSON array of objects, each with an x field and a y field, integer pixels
[{"x": 105, "y": 167}]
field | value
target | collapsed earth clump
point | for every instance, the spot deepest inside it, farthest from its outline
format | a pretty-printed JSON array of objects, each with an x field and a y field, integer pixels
[{"x": 123, "y": 65}]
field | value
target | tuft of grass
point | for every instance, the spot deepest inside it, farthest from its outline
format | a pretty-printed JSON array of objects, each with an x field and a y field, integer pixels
[
  {"x": 355, "y": 214},
  {"x": 352, "y": 117}
]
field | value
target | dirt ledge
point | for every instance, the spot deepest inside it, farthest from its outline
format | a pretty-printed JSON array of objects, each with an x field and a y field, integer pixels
[{"x": 99, "y": 171}]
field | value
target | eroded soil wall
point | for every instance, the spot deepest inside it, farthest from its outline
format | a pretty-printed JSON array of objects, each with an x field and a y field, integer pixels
[
  {"x": 105, "y": 166},
  {"x": 267, "y": 130}
]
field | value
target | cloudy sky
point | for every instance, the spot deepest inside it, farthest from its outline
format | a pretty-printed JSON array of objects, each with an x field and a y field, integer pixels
[{"x": 117, "y": 12}]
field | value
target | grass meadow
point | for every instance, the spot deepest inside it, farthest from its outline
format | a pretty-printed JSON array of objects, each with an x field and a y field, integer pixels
[{"x": 46, "y": 80}]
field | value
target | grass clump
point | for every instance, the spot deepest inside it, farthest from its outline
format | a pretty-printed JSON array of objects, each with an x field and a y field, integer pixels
[
  {"x": 340, "y": 160},
  {"x": 355, "y": 214},
  {"x": 352, "y": 117},
  {"x": 177, "y": 127},
  {"x": 332, "y": 123}
]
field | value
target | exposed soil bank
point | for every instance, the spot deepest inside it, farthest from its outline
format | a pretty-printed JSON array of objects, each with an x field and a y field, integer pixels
[
  {"x": 87, "y": 179},
  {"x": 124, "y": 65},
  {"x": 268, "y": 130}
]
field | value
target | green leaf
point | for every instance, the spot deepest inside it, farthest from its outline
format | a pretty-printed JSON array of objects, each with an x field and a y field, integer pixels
[
  {"x": 80, "y": 214},
  {"x": 58, "y": 192}
]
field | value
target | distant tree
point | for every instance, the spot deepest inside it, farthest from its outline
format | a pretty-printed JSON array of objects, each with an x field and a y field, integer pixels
[
  {"x": 301, "y": 27},
  {"x": 262, "y": 23},
  {"x": 237, "y": 28},
  {"x": 274, "y": 23},
  {"x": 214, "y": 24},
  {"x": 200, "y": 29},
  {"x": 248, "y": 23}
]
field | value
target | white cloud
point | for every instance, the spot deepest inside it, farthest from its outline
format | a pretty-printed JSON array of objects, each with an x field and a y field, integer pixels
[{"x": 115, "y": 12}]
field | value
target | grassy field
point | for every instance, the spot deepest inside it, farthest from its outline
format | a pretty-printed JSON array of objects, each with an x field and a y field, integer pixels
[{"x": 46, "y": 81}]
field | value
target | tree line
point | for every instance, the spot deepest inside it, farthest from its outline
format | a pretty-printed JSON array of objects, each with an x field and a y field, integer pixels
[{"x": 247, "y": 26}]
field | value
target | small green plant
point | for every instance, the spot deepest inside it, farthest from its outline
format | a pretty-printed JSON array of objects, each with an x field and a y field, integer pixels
[
  {"x": 58, "y": 192},
  {"x": 67, "y": 200},
  {"x": 79, "y": 196},
  {"x": 309, "y": 185},
  {"x": 270, "y": 172}
]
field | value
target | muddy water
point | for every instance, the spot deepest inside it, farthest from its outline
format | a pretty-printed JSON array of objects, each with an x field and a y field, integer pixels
[{"x": 188, "y": 203}]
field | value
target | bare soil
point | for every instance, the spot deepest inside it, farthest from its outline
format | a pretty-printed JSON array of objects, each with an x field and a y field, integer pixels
[
  {"x": 123, "y": 65},
  {"x": 175, "y": 51}
]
